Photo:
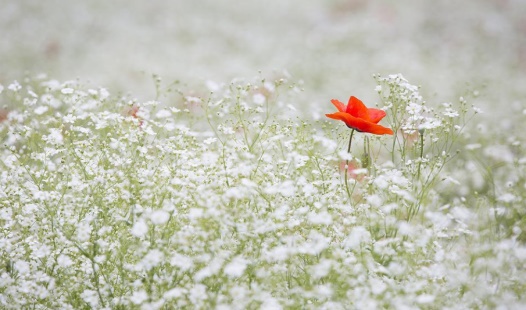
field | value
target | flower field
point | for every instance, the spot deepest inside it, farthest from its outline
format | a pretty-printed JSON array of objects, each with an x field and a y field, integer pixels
[{"x": 198, "y": 188}]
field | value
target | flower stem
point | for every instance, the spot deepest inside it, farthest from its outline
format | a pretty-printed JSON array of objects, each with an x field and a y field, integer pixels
[
  {"x": 347, "y": 165},
  {"x": 421, "y": 152}
]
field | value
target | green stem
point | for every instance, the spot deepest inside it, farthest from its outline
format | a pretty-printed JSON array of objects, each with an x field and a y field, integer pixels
[
  {"x": 347, "y": 165},
  {"x": 421, "y": 152}
]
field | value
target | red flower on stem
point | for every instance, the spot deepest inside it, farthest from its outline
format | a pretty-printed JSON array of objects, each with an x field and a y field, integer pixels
[
  {"x": 360, "y": 118},
  {"x": 357, "y": 116}
]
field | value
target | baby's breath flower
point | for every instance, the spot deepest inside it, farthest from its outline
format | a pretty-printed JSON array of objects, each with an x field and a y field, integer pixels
[{"x": 15, "y": 86}]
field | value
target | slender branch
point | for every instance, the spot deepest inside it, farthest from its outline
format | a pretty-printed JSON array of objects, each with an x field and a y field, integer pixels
[
  {"x": 421, "y": 152},
  {"x": 347, "y": 165}
]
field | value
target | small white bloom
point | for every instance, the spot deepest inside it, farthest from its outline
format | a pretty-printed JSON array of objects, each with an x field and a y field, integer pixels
[
  {"x": 139, "y": 297},
  {"x": 381, "y": 182},
  {"x": 507, "y": 198},
  {"x": 22, "y": 267},
  {"x": 69, "y": 119},
  {"x": 474, "y": 146},
  {"x": 377, "y": 286},
  {"x": 322, "y": 218},
  {"x": 90, "y": 297},
  {"x": 321, "y": 269},
  {"x": 55, "y": 137},
  {"x": 405, "y": 229},
  {"x": 259, "y": 99},
  {"x": 104, "y": 93},
  {"x": 182, "y": 261},
  {"x": 236, "y": 267},
  {"x": 193, "y": 99},
  {"x": 159, "y": 217},
  {"x": 173, "y": 293},
  {"x": 15, "y": 86},
  {"x": 139, "y": 229},
  {"x": 197, "y": 293},
  {"x": 358, "y": 235},
  {"x": 64, "y": 261},
  {"x": 375, "y": 200},
  {"x": 152, "y": 259},
  {"x": 449, "y": 112},
  {"x": 210, "y": 141},
  {"x": 41, "y": 110},
  {"x": 83, "y": 231},
  {"x": 478, "y": 110},
  {"x": 67, "y": 91},
  {"x": 269, "y": 86},
  {"x": 344, "y": 155},
  {"x": 425, "y": 299},
  {"x": 164, "y": 113}
]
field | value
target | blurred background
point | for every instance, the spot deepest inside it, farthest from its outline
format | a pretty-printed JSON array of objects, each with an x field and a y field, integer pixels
[{"x": 333, "y": 46}]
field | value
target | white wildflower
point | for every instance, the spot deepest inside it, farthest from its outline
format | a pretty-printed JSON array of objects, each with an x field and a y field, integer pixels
[
  {"x": 321, "y": 218},
  {"x": 15, "y": 86},
  {"x": 430, "y": 123},
  {"x": 287, "y": 189},
  {"x": 139, "y": 229},
  {"x": 159, "y": 217},
  {"x": 182, "y": 261},
  {"x": 163, "y": 113},
  {"x": 90, "y": 297},
  {"x": 210, "y": 140},
  {"x": 209, "y": 270},
  {"x": 425, "y": 299},
  {"x": 507, "y": 198},
  {"x": 405, "y": 229},
  {"x": 84, "y": 231},
  {"x": 449, "y": 112},
  {"x": 321, "y": 269},
  {"x": 358, "y": 235},
  {"x": 41, "y": 110},
  {"x": 69, "y": 119},
  {"x": 55, "y": 137},
  {"x": 197, "y": 293},
  {"x": 259, "y": 98},
  {"x": 473, "y": 146},
  {"x": 67, "y": 91},
  {"x": 152, "y": 259},
  {"x": 103, "y": 93},
  {"x": 236, "y": 267},
  {"x": 138, "y": 297},
  {"x": 22, "y": 267},
  {"x": 377, "y": 286},
  {"x": 269, "y": 86},
  {"x": 174, "y": 293}
]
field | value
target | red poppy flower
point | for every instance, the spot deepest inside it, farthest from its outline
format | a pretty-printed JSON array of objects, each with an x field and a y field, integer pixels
[{"x": 357, "y": 116}]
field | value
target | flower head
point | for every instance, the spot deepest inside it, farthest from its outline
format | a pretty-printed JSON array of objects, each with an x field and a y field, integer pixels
[{"x": 357, "y": 116}]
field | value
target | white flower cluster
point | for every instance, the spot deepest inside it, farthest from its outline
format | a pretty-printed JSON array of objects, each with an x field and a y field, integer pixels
[{"x": 223, "y": 201}]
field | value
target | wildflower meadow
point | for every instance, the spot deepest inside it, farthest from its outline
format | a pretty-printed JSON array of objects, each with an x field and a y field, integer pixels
[
  {"x": 224, "y": 201},
  {"x": 263, "y": 192}
]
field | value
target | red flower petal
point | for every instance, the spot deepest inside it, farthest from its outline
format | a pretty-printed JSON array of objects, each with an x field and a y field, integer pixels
[
  {"x": 360, "y": 124},
  {"x": 356, "y": 108},
  {"x": 339, "y": 105},
  {"x": 376, "y": 115}
]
